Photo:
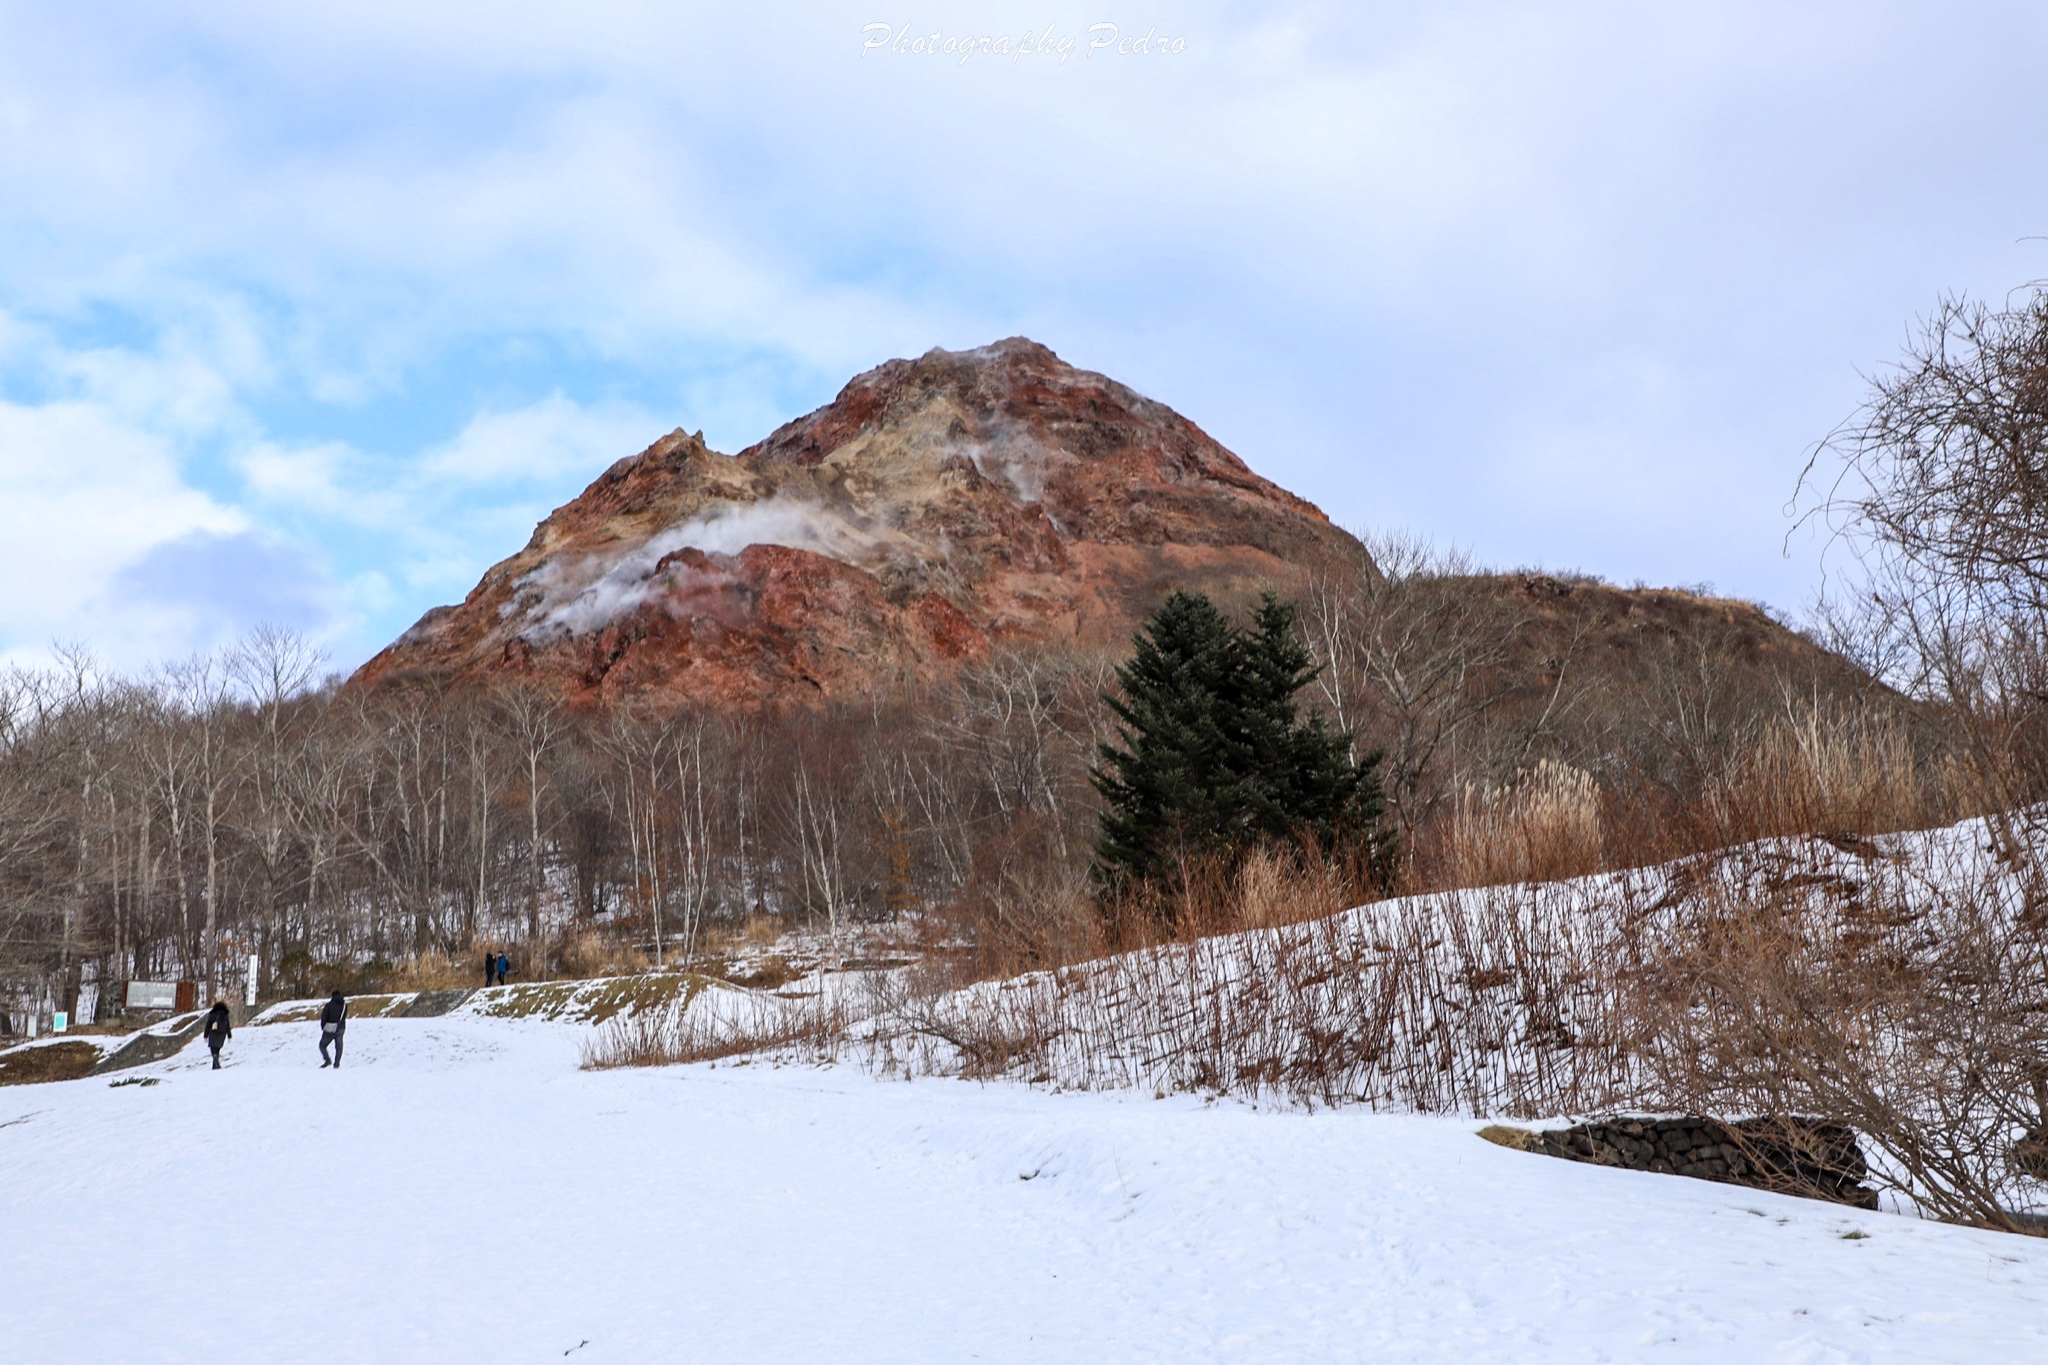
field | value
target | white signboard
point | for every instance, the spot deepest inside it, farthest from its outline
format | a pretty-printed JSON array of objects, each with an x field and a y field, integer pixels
[
  {"x": 152, "y": 995},
  {"x": 255, "y": 964}
]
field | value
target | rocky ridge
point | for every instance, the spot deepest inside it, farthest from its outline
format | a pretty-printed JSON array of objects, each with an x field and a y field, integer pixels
[{"x": 936, "y": 510}]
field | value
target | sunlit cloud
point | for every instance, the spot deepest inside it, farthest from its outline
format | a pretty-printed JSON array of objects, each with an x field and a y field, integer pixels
[{"x": 84, "y": 499}]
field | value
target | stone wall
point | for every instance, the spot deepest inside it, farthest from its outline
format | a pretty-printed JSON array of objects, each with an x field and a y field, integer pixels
[{"x": 1801, "y": 1156}]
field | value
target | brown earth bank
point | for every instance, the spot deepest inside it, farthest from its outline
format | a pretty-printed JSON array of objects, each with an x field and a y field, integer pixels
[
  {"x": 1647, "y": 646},
  {"x": 937, "y": 509},
  {"x": 50, "y": 1062}
]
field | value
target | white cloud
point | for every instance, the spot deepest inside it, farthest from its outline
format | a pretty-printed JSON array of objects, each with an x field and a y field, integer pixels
[
  {"x": 83, "y": 496},
  {"x": 553, "y": 439},
  {"x": 315, "y": 478},
  {"x": 1393, "y": 254}
]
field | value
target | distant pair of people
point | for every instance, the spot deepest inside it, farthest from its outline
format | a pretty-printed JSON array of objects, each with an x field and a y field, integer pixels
[
  {"x": 496, "y": 965},
  {"x": 333, "y": 1020},
  {"x": 333, "y": 1023}
]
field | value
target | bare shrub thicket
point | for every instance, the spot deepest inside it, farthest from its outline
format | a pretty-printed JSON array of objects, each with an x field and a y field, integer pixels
[
  {"x": 1937, "y": 488},
  {"x": 814, "y": 1028},
  {"x": 1906, "y": 999},
  {"x": 1539, "y": 726},
  {"x": 1490, "y": 1001},
  {"x": 175, "y": 826},
  {"x": 1913, "y": 1014}
]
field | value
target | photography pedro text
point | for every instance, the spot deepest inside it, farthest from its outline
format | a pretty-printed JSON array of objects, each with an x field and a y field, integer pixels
[{"x": 905, "y": 40}]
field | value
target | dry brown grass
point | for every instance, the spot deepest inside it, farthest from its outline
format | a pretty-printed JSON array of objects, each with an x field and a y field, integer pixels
[
  {"x": 1821, "y": 773},
  {"x": 815, "y": 1027},
  {"x": 1810, "y": 771},
  {"x": 755, "y": 932},
  {"x": 579, "y": 955},
  {"x": 1546, "y": 826},
  {"x": 763, "y": 974},
  {"x": 434, "y": 972},
  {"x": 585, "y": 955}
]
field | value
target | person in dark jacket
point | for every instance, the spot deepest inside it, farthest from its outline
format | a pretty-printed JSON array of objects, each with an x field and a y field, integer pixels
[
  {"x": 218, "y": 1029},
  {"x": 333, "y": 1020},
  {"x": 491, "y": 967},
  {"x": 504, "y": 966}
]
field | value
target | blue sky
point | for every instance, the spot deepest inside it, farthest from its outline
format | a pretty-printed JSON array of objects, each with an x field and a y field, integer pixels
[{"x": 307, "y": 317}]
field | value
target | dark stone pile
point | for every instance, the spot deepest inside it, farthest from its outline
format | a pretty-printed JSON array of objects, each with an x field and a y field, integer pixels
[
  {"x": 1806, "y": 1157},
  {"x": 145, "y": 1048}
]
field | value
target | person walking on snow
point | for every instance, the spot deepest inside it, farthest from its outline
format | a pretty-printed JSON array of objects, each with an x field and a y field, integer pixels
[
  {"x": 491, "y": 967},
  {"x": 333, "y": 1019},
  {"x": 218, "y": 1029}
]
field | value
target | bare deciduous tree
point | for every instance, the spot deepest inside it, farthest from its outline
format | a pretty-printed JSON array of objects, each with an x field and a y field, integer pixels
[{"x": 1938, "y": 486}]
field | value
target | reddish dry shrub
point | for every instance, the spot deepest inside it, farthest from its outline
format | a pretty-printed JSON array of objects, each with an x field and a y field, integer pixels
[{"x": 1024, "y": 906}]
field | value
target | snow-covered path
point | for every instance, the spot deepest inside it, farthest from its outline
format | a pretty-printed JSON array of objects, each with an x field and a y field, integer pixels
[{"x": 461, "y": 1192}]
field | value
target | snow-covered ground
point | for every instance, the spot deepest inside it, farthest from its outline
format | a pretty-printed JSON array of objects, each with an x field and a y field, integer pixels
[{"x": 460, "y": 1191}]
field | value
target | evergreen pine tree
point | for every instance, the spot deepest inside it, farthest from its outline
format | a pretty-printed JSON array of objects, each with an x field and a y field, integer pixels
[
  {"x": 1175, "y": 788},
  {"x": 1302, "y": 774},
  {"x": 1214, "y": 757}
]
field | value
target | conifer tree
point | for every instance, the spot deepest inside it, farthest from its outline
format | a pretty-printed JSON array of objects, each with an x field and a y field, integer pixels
[
  {"x": 1175, "y": 788},
  {"x": 1302, "y": 775},
  {"x": 1214, "y": 756}
]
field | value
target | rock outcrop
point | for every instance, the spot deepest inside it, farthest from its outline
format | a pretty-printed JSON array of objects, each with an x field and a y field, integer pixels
[
  {"x": 1811, "y": 1158},
  {"x": 935, "y": 510}
]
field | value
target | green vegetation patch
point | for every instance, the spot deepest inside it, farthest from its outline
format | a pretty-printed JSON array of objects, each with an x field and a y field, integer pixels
[
  {"x": 539, "y": 1000},
  {"x": 589, "y": 1002}
]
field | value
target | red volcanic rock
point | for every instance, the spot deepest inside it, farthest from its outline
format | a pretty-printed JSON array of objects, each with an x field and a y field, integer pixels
[{"x": 937, "y": 508}]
